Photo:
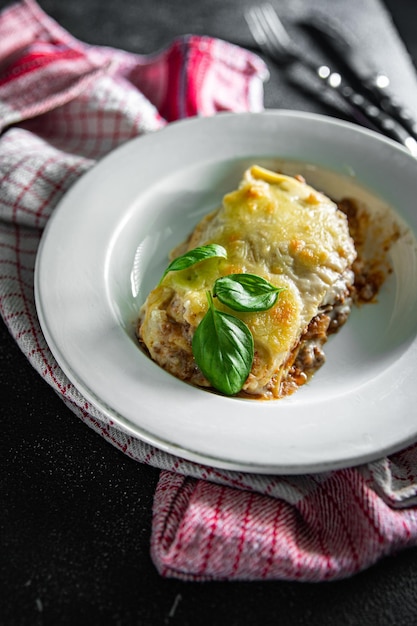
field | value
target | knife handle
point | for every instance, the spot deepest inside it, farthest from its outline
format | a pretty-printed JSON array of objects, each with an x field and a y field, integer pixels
[
  {"x": 375, "y": 84},
  {"x": 363, "y": 108},
  {"x": 390, "y": 104}
]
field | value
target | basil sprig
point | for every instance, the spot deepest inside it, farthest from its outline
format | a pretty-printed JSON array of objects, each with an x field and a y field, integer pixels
[
  {"x": 223, "y": 349},
  {"x": 246, "y": 292},
  {"x": 195, "y": 256},
  {"x": 222, "y": 344}
]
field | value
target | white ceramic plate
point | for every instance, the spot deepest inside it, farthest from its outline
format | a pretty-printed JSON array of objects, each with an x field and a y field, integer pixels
[{"x": 106, "y": 247}]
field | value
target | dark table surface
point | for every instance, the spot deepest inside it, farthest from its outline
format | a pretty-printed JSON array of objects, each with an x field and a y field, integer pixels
[{"x": 75, "y": 513}]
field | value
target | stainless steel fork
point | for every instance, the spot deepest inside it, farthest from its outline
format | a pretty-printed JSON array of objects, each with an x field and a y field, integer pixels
[{"x": 275, "y": 42}]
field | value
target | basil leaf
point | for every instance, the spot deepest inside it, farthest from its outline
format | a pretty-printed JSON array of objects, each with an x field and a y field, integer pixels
[
  {"x": 246, "y": 292},
  {"x": 223, "y": 349},
  {"x": 195, "y": 256}
]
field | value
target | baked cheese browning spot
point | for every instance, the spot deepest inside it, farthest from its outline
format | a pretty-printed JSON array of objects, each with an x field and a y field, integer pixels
[{"x": 281, "y": 229}]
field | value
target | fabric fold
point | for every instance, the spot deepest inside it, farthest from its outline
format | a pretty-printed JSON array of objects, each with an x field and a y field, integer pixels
[
  {"x": 33, "y": 55},
  {"x": 63, "y": 106},
  {"x": 339, "y": 528}
]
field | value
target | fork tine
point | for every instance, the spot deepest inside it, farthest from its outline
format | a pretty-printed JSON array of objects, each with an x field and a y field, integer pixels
[
  {"x": 271, "y": 40},
  {"x": 255, "y": 26},
  {"x": 260, "y": 31},
  {"x": 261, "y": 21},
  {"x": 276, "y": 26}
]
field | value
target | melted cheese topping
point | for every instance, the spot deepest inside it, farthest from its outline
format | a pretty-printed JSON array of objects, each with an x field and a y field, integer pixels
[{"x": 275, "y": 226}]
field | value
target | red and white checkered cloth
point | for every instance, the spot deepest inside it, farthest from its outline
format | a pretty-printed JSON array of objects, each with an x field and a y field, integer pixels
[{"x": 63, "y": 105}]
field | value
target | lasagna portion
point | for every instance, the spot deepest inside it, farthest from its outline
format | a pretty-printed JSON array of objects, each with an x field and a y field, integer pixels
[{"x": 283, "y": 230}]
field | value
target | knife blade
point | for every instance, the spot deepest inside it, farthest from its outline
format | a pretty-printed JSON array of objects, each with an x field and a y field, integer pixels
[{"x": 344, "y": 47}]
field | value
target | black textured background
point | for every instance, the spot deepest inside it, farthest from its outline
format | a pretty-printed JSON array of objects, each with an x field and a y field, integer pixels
[{"x": 75, "y": 513}]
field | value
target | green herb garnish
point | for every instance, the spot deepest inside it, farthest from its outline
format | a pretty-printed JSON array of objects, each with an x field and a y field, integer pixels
[
  {"x": 223, "y": 349},
  {"x": 195, "y": 256},
  {"x": 246, "y": 292},
  {"x": 222, "y": 344}
]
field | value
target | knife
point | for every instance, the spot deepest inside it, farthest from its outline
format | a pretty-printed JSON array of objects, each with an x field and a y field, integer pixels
[{"x": 345, "y": 49}]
